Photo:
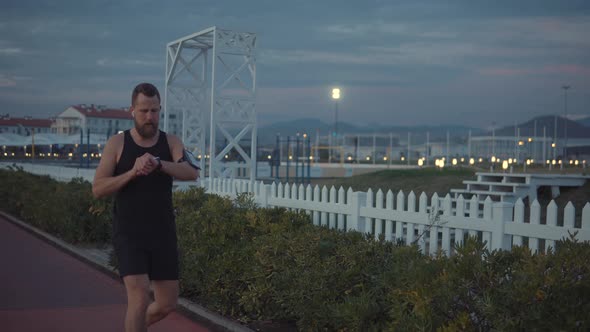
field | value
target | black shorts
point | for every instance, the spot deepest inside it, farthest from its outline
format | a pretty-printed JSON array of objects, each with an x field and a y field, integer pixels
[{"x": 159, "y": 263}]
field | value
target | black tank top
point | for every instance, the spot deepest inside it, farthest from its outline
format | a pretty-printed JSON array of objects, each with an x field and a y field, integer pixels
[{"x": 143, "y": 212}]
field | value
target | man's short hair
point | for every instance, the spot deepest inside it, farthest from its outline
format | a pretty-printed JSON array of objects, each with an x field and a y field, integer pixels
[{"x": 146, "y": 89}]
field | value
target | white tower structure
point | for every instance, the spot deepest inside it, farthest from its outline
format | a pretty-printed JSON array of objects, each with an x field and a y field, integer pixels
[{"x": 211, "y": 85}]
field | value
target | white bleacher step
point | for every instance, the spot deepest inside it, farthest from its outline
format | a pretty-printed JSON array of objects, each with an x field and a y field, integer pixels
[{"x": 494, "y": 194}]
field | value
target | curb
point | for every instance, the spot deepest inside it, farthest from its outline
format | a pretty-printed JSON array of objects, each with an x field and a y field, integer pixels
[{"x": 185, "y": 306}]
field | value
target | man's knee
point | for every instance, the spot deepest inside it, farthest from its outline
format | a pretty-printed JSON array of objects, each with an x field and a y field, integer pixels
[{"x": 137, "y": 291}]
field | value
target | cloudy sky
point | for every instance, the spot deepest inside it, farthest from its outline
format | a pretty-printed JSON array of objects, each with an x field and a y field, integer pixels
[{"x": 398, "y": 63}]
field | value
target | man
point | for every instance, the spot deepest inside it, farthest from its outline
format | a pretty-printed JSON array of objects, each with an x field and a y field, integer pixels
[{"x": 138, "y": 166}]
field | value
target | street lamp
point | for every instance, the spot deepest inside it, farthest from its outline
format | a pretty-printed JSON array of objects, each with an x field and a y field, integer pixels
[{"x": 335, "y": 96}]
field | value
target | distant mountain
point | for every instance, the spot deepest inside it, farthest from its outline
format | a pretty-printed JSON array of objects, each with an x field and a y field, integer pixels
[
  {"x": 574, "y": 128},
  {"x": 584, "y": 122}
]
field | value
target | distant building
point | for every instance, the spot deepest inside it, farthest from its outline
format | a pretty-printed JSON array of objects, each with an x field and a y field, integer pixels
[
  {"x": 100, "y": 120},
  {"x": 96, "y": 118},
  {"x": 24, "y": 126}
]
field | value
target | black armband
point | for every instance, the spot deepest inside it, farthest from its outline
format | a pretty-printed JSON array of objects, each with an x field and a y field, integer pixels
[{"x": 190, "y": 159}]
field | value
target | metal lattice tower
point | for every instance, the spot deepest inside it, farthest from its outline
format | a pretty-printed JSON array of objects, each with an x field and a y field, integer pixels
[{"x": 211, "y": 79}]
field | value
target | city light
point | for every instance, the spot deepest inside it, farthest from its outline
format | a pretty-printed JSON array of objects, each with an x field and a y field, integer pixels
[
  {"x": 454, "y": 161},
  {"x": 504, "y": 165},
  {"x": 472, "y": 161},
  {"x": 420, "y": 162},
  {"x": 493, "y": 159},
  {"x": 530, "y": 139},
  {"x": 269, "y": 157}
]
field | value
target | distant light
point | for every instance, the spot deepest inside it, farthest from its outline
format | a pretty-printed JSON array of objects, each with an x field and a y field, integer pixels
[
  {"x": 472, "y": 161},
  {"x": 504, "y": 165},
  {"x": 481, "y": 160},
  {"x": 310, "y": 157},
  {"x": 304, "y": 135},
  {"x": 290, "y": 157},
  {"x": 559, "y": 161},
  {"x": 70, "y": 154},
  {"x": 571, "y": 162},
  {"x": 199, "y": 156},
  {"x": 509, "y": 160},
  {"x": 462, "y": 159},
  {"x": 530, "y": 139},
  {"x": 226, "y": 156},
  {"x": 493, "y": 159},
  {"x": 385, "y": 158},
  {"x": 520, "y": 143},
  {"x": 576, "y": 163},
  {"x": 269, "y": 157},
  {"x": 368, "y": 158},
  {"x": 403, "y": 158},
  {"x": 548, "y": 161},
  {"x": 454, "y": 161},
  {"x": 553, "y": 162},
  {"x": 420, "y": 162},
  {"x": 349, "y": 158},
  {"x": 528, "y": 161},
  {"x": 336, "y": 93},
  {"x": 552, "y": 145}
]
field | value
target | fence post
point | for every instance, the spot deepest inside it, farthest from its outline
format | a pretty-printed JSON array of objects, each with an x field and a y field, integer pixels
[
  {"x": 356, "y": 223},
  {"x": 264, "y": 193},
  {"x": 502, "y": 212}
]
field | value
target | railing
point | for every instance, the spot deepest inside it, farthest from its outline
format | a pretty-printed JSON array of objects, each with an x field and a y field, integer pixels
[{"x": 435, "y": 223}]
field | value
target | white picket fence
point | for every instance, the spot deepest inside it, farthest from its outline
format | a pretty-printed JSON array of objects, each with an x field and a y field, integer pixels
[
  {"x": 411, "y": 219},
  {"x": 435, "y": 223}
]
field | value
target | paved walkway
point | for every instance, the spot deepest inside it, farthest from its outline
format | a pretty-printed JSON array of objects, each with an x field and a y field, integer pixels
[{"x": 44, "y": 289}]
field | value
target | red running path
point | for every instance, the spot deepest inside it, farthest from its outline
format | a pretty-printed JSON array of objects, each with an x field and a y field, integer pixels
[{"x": 45, "y": 289}]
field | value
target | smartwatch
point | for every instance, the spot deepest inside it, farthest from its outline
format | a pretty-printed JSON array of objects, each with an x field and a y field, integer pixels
[{"x": 159, "y": 167}]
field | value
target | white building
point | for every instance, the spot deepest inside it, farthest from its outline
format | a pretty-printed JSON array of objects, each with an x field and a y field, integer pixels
[
  {"x": 24, "y": 126},
  {"x": 101, "y": 120},
  {"x": 98, "y": 119}
]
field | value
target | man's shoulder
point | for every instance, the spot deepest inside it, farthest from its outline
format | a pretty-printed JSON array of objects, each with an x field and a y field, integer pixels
[
  {"x": 116, "y": 140},
  {"x": 172, "y": 139}
]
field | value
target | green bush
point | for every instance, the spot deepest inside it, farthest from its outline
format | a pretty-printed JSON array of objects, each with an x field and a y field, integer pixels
[
  {"x": 271, "y": 264},
  {"x": 67, "y": 210}
]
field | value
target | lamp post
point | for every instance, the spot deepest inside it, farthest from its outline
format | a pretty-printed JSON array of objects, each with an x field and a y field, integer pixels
[
  {"x": 335, "y": 96},
  {"x": 565, "y": 88}
]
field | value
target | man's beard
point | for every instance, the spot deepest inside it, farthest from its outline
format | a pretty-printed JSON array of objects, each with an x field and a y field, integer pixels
[{"x": 147, "y": 130}]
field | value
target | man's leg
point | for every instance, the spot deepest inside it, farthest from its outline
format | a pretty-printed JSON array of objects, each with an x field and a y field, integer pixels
[
  {"x": 138, "y": 287},
  {"x": 166, "y": 298}
]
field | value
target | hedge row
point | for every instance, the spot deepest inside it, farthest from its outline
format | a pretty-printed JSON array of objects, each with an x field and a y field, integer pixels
[{"x": 257, "y": 264}]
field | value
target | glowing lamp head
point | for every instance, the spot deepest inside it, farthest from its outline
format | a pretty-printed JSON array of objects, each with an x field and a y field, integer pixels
[{"x": 336, "y": 93}]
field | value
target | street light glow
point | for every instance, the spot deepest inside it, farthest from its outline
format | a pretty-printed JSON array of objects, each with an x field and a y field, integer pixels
[{"x": 336, "y": 93}]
